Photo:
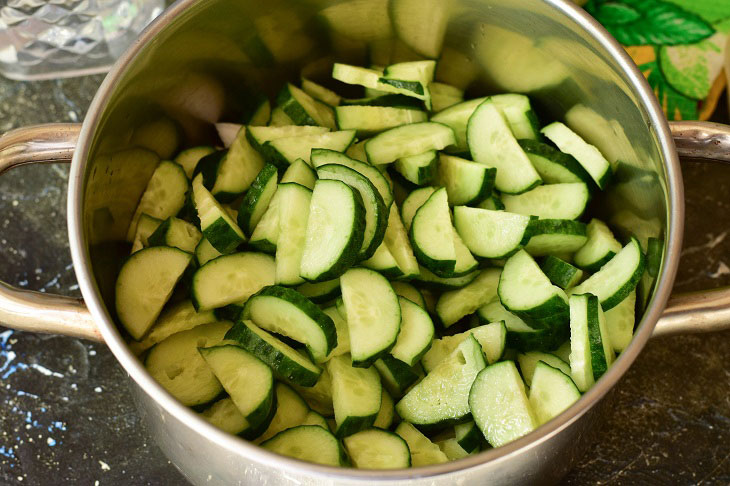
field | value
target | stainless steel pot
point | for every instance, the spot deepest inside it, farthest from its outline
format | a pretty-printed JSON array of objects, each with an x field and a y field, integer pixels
[{"x": 194, "y": 62}]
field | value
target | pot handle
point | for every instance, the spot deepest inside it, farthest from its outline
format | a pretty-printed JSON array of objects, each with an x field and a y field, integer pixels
[
  {"x": 707, "y": 310},
  {"x": 36, "y": 311}
]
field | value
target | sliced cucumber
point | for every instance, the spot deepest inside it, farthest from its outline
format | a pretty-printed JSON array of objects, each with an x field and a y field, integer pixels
[
  {"x": 555, "y": 236},
  {"x": 260, "y": 114},
  {"x": 320, "y": 292},
  {"x": 319, "y": 396},
  {"x": 303, "y": 109},
  {"x": 322, "y": 157},
  {"x": 259, "y": 136},
  {"x": 188, "y": 159},
  {"x": 216, "y": 225},
  {"x": 335, "y": 231},
  {"x": 528, "y": 361},
  {"x": 300, "y": 172},
  {"x": 492, "y": 203},
  {"x": 491, "y": 143},
  {"x": 617, "y": 278},
  {"x": 319, "y": 92},
  {"x": 257, "y": 198},
  {"x": 176, "y": 233},
  {"x": 491, "y": 337},
  {"x": 279, "y": 118},
  {"x": 376, "y": 217},
  {"x": 419, "y": 71},
  {"x": 291, "y": 411},
  {"x": 416, "y": 333},
  {"x": 499, "y": 404},
  {"x": 554, "y": 166},
  {"x": 383, "y": 262},
  {"x": 408, "y": 140},
  {"x": 587, "y": 155},
  {"x": 373, "y": 314},
  {"x": 491, "y": 234},
  {"x": 421, "y": 25},
  {"x": 146, "y": 226},
  {"x": 428, "y": 279},
  {"x": 468, "y": 436},
  {"x": 230, "y": 279},
  {"x": 308, "y": 443},
  {"x": 282, "y": 359},
  {"x": 313, "y": 418},
  {"x": 553, "y": 201},
  {"x": 431, "y": 235},
  {"x": 355, "y": 395},
  {"x": 386, "y": 100},
  {"x": 343, "y": 332},
  {"x": 294, "y": 203},
  {"x": 286, "y": 150},
  {"x": 590, "y": 346},
  {"x": 396, "y": 375},
  {"x": 377, "y": 449},
  {"x": 455, "y": 304},
  {"x": 518, "y": 112},
  {"x": 560, "y": 272},
  {"x": 552, "y": 392},
  {"x": 164, "y": 195},
  {"x": 444, "y": 96},
  {"x": 620, "y": 321},
  {"x": 408, "y": 291},
  {"x": 466, "y": 182},
  {"x": 285, "y": 311},
  {"x": 599, "y": 249},
  {"x": 176, "y": 364},
  {"x": 224, "y": 415},
  {"x": 423, "y": 451},
  {"x": 465, "y": 261},
  {"x": 442, "y": 397},
  {"x": 520, "y": 336},
  {"x": 419, "y": 169},
  {"x": 457, "y": 117},
  {"x": 369, "y": 120},
  {"x": 525, "y": 291},
  {"x": 386, "y": 414},
  {"x": 144, "y": 285},
  {"x": 372, "y": 80},
  {"x": 413, "y": 203},
  {"x": 452, "y": 449}
]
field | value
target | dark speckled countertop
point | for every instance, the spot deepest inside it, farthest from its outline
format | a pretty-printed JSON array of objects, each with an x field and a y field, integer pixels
[{"x": 66, "y": 416}]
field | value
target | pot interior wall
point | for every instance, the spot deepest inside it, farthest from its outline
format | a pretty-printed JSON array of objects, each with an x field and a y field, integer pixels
[{"x": 210, "y": 62}]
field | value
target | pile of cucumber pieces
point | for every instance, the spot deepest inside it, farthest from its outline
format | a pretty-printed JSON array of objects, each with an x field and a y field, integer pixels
[{"x": 410, "y": 258}]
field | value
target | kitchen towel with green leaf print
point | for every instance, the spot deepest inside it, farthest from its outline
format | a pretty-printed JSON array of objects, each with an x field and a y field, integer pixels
[{"x": 679, "y": 45}]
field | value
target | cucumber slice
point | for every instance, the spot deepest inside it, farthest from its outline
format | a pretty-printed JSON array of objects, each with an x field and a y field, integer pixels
[
  {"x": 374, "y": 206},
  {"x": 499, "y": 404},
  {"x": 164, "y": 195},
  {"x": 285, "y": 151},
  {"x": 177, "y": 366},
  {"x": 520, "y": 336},
  {"x": 599, "y": 249},
  {"x": 309, "y": 443},
  {"x": 431, "y": 235},
  {"x": 259, "y": 136},
  {"x": 423, "y": 451},
  {"x": 283, "y": 360},
  {"x": 551, "y": 393},
  {"x": 465, "y": 262},
  {"x": 176, "y": 233},
  {"x": 372, "y": 80},
  {"x": 396, "y": 375},
  {"x": 216, "y": 225},
  {"x": 419, "y": 169},
  {"x": 322, "y": 157},
  {"x": 525, "y": 291},
  {"x": 587, "y": 155},
  {"x": 560, "y": 272},
  {"x": 383, "y": 262},
  {"x": 370, "y": 120},
  {"x": 257, "y": 198},
  {"x": 291, "y": 411},
  {"x": 428, "y": 279},
  {"x": 247, "y": 380},
  {"x": 518, "y": 112},
  {"x": 300, "y": 172},
  {"x": 343, "y": 332},
  {"x": 265, "y": 235},
  {"x": 590, "y": 347},
  {"x": 224, "y": 415},
  {"x": 386, "y": 414},
  {"x": 303, "y": 109},
  {"x": 554, "y": 166},
  {"x": 457, "y": 117},
  {"x": 373, "y": 314},
  {"x": 442, "y": 397},
  {"x": 335, "y": 230},
  {"x": 408, "y": 140},
  {"x": 492, "y": 203},
  {"x": 285, "y": 311},
  {"x": 452, "y": 449},
  {"x": 357, "y": 151},
  {"x": 421, "y": 25},
  {"x": 491, "y": 234},
  {"x": 319, "y": 396},
  {"x": 176, "y": 318},
  {"x": 528, "y": 361},
  {"x": 320, "y": 292},
  {"x": 261, "y": 114},
  {"x": 319, "y": 92},
  {"x": 386, "y": 100},
  {"x": 408, "y": 291},
  {"x": 553, "y": 201},
  {"x": 555, "y": 236},
  {"x": 230, "y": 279},
  {"x": 418, "y": 71},
  {"x": 188, "y": 159},
  {"x": 377, "y": 449},
  {"x": 455, "y": 304},
  {"x": 413, "y": 203},
  {"x": 491, "y": 337},
  {"x": 146, "y": 226},
  {"x": 313, "y": 418},
  {"x": 515, "y": 173},
  {"x": 466, "y": 182},
  {"x": 144, "y": 285},
  {"x": 444, "y": 96},
  {"x": 617, "y": 278},
  {"x": 468, "y": 436},
  {"x": 355, "y": 395},
  {"x": 620, "y": 321},
  {"x": 294, "y": 206},
  {"x": 416, "y": 333},
  {"x": 279, "y": 118}
]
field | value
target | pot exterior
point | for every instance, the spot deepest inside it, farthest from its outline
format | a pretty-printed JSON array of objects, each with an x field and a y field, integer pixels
[{"x": 199, "y": 62}]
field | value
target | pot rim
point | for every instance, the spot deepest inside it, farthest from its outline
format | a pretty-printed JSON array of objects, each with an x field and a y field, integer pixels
[{"x": 136, "y": 370}]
